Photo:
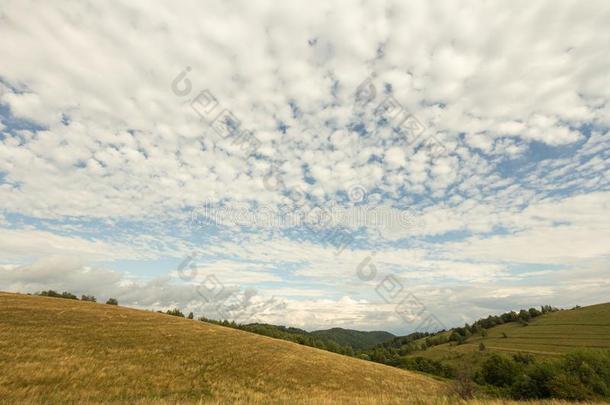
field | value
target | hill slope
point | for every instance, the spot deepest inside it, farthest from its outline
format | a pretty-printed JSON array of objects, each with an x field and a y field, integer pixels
[
  {"x": 547, "y": 335},
  {"x": 56, "y": 350},
  {"x": 354, "y": 338}
]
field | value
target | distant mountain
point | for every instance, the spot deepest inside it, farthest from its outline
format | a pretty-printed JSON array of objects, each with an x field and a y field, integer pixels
[
  {"x": 338, "y": 340},
  {"x": 356, "y": 339}
]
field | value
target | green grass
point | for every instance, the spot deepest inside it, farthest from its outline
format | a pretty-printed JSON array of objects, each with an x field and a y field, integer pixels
[
  {"x": 548, "y": 335},
  {"x": 54, "y": 350}
]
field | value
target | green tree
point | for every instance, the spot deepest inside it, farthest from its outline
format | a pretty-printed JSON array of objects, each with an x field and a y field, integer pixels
[
  {"x": 524, "y": 315},
  {"x": 174, "y": 312},
  {"x": 499, "y": 370}
]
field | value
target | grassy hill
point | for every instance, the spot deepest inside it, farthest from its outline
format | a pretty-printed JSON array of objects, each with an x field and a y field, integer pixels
[
  {"x": 55, "y": 350},
  {"x": 354, "y": 338},
  {"x": 548, "y": 335}
]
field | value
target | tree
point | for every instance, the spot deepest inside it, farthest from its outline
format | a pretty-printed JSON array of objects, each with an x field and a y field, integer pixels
[
  {"x": 190, "y": 315},
  {"x": 499, "y": 370},
  {"x": 524, "y": 316},
  {"x": 90, "y": 298},
  {"x": 112, "y": 301},
  {"x": 55, "y": 294},
  {"x": 174, "y": 312}
]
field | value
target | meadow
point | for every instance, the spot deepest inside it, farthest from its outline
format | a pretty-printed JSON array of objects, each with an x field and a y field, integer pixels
[
  {"x": 549, "y": 335},
  {"x": 63, "y": 351},
  {"x": 66, "y": 351}
]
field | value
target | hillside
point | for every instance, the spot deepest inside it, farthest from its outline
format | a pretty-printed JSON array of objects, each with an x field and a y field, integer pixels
[
  {"x": 56, "y": 350},
  {"x": 354, "y": 338},
  {"x": 548, "y": 335}
]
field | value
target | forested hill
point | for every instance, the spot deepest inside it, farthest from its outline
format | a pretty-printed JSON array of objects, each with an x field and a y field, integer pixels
[
  {"x": 354, "y": 338},
  {"x": 338, "y": 340}
]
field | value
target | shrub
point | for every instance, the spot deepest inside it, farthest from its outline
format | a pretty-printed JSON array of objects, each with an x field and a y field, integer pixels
[
  {"x": 190, "y": 315},
  {"x": 112, "y": 301},
  {"x": 524, "y": 358},
  {"x": 90, "y": 298},
  {"x": 580, "y": 375},
  {"x": 499, "y": 370},
  {"x": 523, "y": 387},
  {"x": 568, "y": 387},
  {"x": 463, "y": 385},
  {"x": 427, "y": 366},
  {"x": 481, "y": 346},
  {"x": 591, "y": 367}
]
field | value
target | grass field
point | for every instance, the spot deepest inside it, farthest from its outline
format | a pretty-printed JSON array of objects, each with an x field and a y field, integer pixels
[
  {"x": 548, "y": 335},
  {"x": 64, "y": 351}
]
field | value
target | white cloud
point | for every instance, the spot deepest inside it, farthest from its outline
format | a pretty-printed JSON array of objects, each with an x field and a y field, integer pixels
[
  {"x": 516, "y": 93},
  {"x": 28, "y": 244}
]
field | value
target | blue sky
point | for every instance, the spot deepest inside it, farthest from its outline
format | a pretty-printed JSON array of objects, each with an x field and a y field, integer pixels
[{"x": 366, "y": 166}]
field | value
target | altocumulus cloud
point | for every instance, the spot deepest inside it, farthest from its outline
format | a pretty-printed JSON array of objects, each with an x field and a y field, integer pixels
[{"x": 101, "y": 163}]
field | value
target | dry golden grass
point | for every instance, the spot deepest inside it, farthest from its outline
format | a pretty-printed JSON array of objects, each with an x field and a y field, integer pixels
[{"x": 63, "y": 351}]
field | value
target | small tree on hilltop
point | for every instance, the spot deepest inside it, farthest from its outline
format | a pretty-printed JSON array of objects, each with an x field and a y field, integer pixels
[
  {"x": 112, "y": 301},
  {"x": 174, "y": 312}
]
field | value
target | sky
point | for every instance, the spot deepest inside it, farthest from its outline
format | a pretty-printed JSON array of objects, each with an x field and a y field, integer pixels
[{"x": 400, "y": 166}]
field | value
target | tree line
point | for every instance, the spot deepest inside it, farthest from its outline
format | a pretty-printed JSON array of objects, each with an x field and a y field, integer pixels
[{"x": 70, "y": 296}]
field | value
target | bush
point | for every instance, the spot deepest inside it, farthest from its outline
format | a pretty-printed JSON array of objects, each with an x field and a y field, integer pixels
[
  {"x": 524, "y": 358},
  {"x": 463, "y": 386},
  {"x": 568, "y": 387},
  {"x": 523, "y": 387},
  {"x": 112, "y": 301},
  {"x": 591, "y": 367},
  {"x": 427, "y": 366},
  {"x": 90, "y": 298},
  {"x": 191, "y": 316},
  {"x": 499, "y": 371},
  {"x": 540, "y": 375},
  {"x": 580, "y": 375}
]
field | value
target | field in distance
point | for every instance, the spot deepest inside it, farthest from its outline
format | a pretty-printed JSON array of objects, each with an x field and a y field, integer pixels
[
  {"x": 65, "y": 351},
  {"x": 548, "y": 335}
]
